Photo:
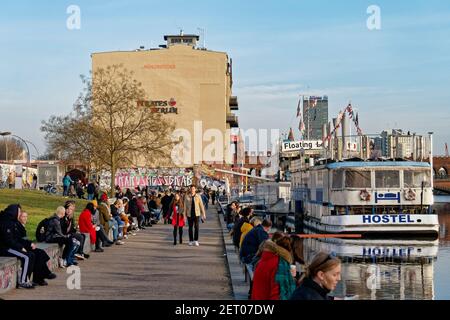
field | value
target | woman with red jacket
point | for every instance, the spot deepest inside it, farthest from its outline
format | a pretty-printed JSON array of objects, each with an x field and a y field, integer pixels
[
  {"x": 85, "y": 222},
  {"x": 272, "y": 278},
  {"x": 177, "y": 218}
]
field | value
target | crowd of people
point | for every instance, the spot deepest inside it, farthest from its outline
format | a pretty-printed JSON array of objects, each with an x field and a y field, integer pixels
[{"x": 280, "y": 271}]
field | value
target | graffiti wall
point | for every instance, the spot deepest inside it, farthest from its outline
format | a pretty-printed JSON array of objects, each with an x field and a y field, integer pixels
[
  {"x": 163, "y": 177},
  {"x": 141, "y": 177},
  {"x": 27, "y": 174},
  {"x": 8, "y": 274}
]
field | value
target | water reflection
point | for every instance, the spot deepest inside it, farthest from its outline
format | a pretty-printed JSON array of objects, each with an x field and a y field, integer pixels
[
  {"x": 392, "y": 269},
  {"x": 381, "y": 269}
]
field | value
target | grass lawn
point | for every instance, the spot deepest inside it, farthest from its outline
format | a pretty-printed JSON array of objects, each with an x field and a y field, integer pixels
[{"x": 37, "y": 204}]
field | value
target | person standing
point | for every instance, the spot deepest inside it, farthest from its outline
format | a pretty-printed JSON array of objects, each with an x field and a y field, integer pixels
[
  {"x": 90, "y": 191},
  {"x": 213, "y": 197},
  {"x": 177, "y": 218},
  {"x": 67, "y": 182},
  {"x": 194, "y": 209},
  {"x": 35, "y": 178},
  {"x": 11, "y": 179},
  {"x": 166, "y": 201}
]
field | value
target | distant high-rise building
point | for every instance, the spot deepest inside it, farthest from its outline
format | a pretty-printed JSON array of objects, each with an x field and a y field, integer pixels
[{"x": 315, "y": 115}]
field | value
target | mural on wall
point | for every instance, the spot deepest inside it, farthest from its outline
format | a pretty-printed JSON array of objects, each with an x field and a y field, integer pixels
[
  {"x": 163, "y": 177},
  {"x": 141, "y": 177},
  {"x": 27, "y": 174},
  {"x": 212, "y": 184},
  {"x": 7, "y": 274}
]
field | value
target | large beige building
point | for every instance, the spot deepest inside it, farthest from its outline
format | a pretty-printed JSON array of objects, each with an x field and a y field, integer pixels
[{"x": 186, "y": 83}]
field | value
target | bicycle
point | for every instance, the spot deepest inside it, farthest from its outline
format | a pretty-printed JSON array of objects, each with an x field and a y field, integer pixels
[
  {"x": 50, "y": 188},
  {"x": 4, "y": 184}
]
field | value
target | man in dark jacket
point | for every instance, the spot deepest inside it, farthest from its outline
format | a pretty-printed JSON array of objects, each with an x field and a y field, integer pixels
[
  {"x": 90, "y": 190},
  {"x": 166, "y": 201},
  {"x": 12, "y": 246},
  {"x": 246, "y": 214},
  {"x": 68, "y": 229},
  {"x": 133, "y": 210},
  {"x": 253, "y": 240},
  {"x": 54, "y": 234}
]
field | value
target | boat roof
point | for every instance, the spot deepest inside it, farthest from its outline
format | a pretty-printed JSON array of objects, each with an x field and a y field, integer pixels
[{"x": 353, "y": 164}]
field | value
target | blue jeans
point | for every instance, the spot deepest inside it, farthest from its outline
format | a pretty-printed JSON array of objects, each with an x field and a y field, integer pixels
[
  {"x": 121, "y": 224},
  {"x": 156, "y": 213},
  {"x": 115, "y": 228},
  {"x": 90, "y": 196},
  {"x": 75, "y": 245},
  {"x": 65, "y": 191}
]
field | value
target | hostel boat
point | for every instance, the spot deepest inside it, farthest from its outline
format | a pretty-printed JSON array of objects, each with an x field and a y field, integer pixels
[{"x": 372, "y": 198}]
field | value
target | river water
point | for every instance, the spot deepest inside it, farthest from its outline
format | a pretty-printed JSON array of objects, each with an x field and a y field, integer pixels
[{"x": 393, "y": 269}]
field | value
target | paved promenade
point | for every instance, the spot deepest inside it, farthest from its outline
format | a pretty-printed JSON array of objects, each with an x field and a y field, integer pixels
[{"x": 149, "y": 266}]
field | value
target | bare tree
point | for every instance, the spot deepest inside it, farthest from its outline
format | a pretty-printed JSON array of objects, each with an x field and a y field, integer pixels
[
  {"x": 12, "y": 149},
  {"x": 108, "y": 128}
]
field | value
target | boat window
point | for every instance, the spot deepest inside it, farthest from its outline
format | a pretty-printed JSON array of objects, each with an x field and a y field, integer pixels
[
  {"x": 357, "y": 179},
  {"x": 319, "y": 178},
  {"x": 387, "y": 179},
  {"x": 338, "y": 179},
  {"x": 413, "y": 179}
]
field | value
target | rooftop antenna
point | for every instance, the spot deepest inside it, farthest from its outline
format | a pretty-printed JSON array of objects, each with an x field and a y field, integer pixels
[{"x": 202, "y": 32}]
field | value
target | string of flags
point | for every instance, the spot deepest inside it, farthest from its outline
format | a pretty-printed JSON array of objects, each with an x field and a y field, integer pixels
[{"x": 351, "y": 114}]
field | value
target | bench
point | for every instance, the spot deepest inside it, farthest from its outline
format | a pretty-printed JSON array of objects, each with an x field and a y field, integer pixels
[
  {"x": 87, "y": 243},
  {"x": 9, "y": 268},
  {"x": 54, "y": 251}
]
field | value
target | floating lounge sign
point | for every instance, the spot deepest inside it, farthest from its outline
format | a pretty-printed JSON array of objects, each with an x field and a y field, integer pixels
[
  {"x": 159, "y": 106},
  {"x": 289, "y": 146}
]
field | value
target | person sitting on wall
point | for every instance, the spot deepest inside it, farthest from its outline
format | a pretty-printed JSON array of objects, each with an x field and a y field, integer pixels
[
  {"x": 68, "y": 228},
  {"x": 102, "y": 237},
  {"x": 14, "y": 243},
  {"x": 106, "y": 219},
  {"x": 40, "y": 269},
  {"x": 54, "y": 234}
]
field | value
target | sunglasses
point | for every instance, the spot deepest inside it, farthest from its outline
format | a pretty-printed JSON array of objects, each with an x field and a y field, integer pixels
[{"x": 331, "y": 256}]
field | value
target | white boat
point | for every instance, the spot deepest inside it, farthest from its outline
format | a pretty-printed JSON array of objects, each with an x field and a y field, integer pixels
[{"x": 372, "y": 198}]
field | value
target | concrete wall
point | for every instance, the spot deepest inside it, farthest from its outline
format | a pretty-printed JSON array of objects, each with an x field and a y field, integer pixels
[{"x": 8, "y": 274}]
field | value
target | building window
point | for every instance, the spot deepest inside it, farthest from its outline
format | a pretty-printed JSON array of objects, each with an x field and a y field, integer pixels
[
  {"x": 357, "y": 179},
  {"x": 387, "y": 179}
]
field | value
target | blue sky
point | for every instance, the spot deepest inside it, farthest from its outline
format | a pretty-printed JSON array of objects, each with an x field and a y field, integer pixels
[{"x": 396, "y": 77}]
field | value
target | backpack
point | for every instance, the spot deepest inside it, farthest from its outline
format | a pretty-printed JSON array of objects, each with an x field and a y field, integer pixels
[{"x": 42, "y": 229}]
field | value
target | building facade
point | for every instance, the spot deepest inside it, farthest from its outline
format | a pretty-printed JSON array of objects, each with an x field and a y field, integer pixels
[
  {"x": 190, "y": 86},
  {"x": 315, "y": 115}
]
